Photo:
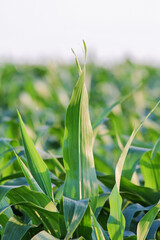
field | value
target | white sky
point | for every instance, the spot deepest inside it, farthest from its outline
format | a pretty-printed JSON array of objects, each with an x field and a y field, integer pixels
[{"x": 31, "y": 30}]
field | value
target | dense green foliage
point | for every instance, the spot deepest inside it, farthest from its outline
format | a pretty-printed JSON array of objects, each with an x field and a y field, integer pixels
[{"x": 82, "y": 176}]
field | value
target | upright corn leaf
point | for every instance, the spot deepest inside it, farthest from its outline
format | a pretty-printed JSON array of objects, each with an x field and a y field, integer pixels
[
  {"x": 150, "y": 168},
  {"x": 81, "y": 181},
  {"x": 122, "y": 158},
  {"x": 38, "y": 168},
  {"x": 146, "y": 222},
  {"x": 116, "y": 221},
  {"x": 30, "y": 179}
]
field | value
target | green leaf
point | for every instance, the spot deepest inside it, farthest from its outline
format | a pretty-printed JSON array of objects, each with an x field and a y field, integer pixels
[
  {"x": 24, "y": 194},
  {"x": 119, "y": 166},
  {"x": 138, "y": 194},
  {"x": 99, "y": 232},
  {"x": 116, "y": 221},
  {"x": 30, "y": 179},
  {"x": 156, "y": 148},
  {"x": 130, "y": 211},
  {"x": 16, "y": 228},
  {"x": 102, "y": 165},
  {"x": 81, "y": 182},
  {"x": 53, "y": 222},
  {"x": 58, "y": 169},
  {"x": 129, "y": 235},
  {"x": 43, "y": 235},
  {"x": 150, "y": 168},
  {"x": 73, "y": 213},
  {"x": 132, "y": 159},
  {"x": 4, "y": 189},
  {"x": 146, "y": 222},
  {"x": 85, "y": 227},
  {"x": 12, "y": 176},
  {"x": 3, "y": 221},
  {"x": 4, "y": 203},
  {"x": 102, "y": 198},
  {"x": 38, "y": 168}
]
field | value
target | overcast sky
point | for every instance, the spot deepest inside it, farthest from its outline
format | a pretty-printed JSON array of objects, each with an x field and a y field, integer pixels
[{"x": 32, "y": 30}]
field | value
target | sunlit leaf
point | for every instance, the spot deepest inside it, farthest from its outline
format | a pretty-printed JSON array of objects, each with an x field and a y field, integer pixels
[
  {"x": 81, "y": 181},
  {"x": 116, "y": 221},
  {"x": 150, "y": 168},
  {"x": 73, "y": 213},
  {"x": 146, "y": 222},
  {"x": 36, "y": 165},
  {"x": 99, "y": 232},
  {"x": 30, "y": 179},
  {"x": 137, "y": 194},
  {"x": 43, "y": 235}
]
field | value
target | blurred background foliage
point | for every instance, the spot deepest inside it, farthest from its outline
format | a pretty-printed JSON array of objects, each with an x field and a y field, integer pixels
[{"x": 42, "y": 93}]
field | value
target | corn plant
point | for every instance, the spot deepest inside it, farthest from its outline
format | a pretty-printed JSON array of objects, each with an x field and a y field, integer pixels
[{"x": 74, "y": 201}]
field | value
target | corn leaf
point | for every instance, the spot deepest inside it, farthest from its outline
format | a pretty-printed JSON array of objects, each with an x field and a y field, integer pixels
[
  {"x": 4, "y": 189},
  {"x": 81, "y": 182},
  {"x": 85, "y": 227},
  {"x": 116, "y": 221},
  {"x": 130, "y": 211},
  {"x": 138, "y": 194},
  {"x": 73, "y": 213},
  {"x": 16, "y": 228},
  {"x": 24, "y": 194},
  {"x": 156, "y": 148},
  {"x": 150, "y": 168},
  {"x": 3, "y": 221},
  {"x": 53, "y": 222},
  {"x": 146, "y": 222},
  {"x": 102, "y": 198},
  {"x": 30, "y": 179},
  {"x": 38, "y": 168},
  {"x": 43, "y": 235},
  {"x": 99, "y": 232},
  {"x": 122, "y": 158},
  {"x": 57, "y": 167},
  {"x": 133, "y": 157}
]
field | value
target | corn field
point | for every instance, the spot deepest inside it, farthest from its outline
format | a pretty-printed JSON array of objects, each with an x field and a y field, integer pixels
[{"x": 84, "y": 165}]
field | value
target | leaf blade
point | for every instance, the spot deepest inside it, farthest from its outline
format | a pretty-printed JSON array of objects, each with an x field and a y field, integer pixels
[
  {"x": 37, "y": 167},
  {"x": 81, "y": 181}
]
